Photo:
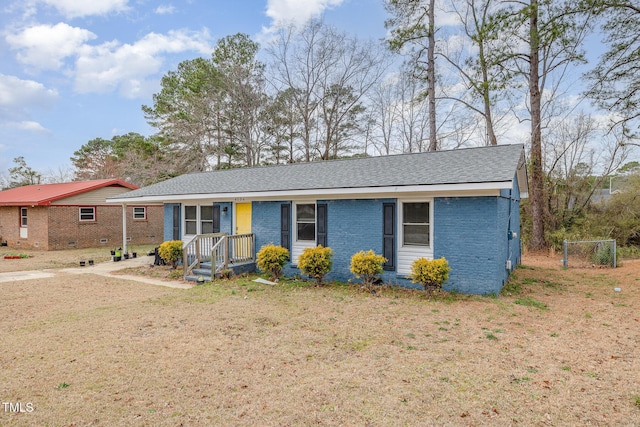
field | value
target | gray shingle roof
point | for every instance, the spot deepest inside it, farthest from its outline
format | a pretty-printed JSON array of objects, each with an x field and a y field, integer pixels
[{"x": 470, "y": 165}]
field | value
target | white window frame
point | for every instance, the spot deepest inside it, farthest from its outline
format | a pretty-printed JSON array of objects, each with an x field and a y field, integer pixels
[
  {"x": 428, "y": 224},
  {"x": 81, "y": 214},
  {"x": 314, "y": 222},
  {"x": 198, "y": 219},
  {"x": 184, "y": 219},
  {"x": 408, "y": 253},
  {"x": 23, "y": 217},
  {"x": 201, "y": 220},
  {"x": 136, "y": 215},
  {"x": 297, "y": 246}
]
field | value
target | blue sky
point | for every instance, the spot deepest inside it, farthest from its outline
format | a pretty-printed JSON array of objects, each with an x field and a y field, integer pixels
[{"x": 74, "y": 70}]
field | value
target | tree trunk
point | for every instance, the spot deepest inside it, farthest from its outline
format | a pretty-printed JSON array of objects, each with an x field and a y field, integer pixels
[
  {"x": 431, "y": 65},
  {"x": 491, "y": 135},
  {"x": 537, "y": 175}
]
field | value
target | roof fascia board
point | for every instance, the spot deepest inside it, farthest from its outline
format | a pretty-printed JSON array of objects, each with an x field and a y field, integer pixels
[
  {"x": 442, "y": 190},
  {"x": 61, "y": 196}
]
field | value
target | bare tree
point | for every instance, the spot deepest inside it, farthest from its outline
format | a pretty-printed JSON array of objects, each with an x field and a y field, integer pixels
[
  {"x": 4, "y": 181},
  {"x": 61, "y": 174},
  {"x": 299, "y": 60},
  {"x": 552, "y": 33},
  {"x": 280, "y": 127},
  {"x": 242, "y": 81},
  {"x": 413, "y": 27},
  {"x": 328, "y": 74},
  {"x": 413, "y": 115},
  {"x": 615, "y": 82},
  {"x": 479, "y": 61},
  {"x": 131, "y": 157},
  {"x": 580, "y": 155},
  {"x": 382, "y": 115}
]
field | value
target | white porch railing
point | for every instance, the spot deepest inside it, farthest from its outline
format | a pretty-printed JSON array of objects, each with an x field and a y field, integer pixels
[
  {"x": 220, "y": 249},
  {"x": 198, "y": 249}
]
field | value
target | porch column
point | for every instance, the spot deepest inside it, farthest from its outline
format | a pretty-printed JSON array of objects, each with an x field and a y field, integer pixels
[{"x": 124, "y": 228}]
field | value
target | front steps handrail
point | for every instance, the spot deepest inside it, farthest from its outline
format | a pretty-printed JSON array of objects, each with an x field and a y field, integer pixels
[
  {"x": 232, "y": 249},
  {"x": 221, "y": 249},
  {"x": 194, "y": 249}
]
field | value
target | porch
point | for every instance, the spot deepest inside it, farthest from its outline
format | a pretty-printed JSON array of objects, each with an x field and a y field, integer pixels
[{"x": 207, "y": 255}]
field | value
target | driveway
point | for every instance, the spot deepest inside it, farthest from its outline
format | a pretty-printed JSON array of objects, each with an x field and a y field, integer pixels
[{"x": 101, "y": 269}]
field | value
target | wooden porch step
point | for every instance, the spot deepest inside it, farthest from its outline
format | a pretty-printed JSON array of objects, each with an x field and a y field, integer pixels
[{"x": 205, "y": 270}]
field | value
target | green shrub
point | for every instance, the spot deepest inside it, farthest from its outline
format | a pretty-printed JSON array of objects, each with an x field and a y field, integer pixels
[
  {"x": 603, "y": 254},
  {"x": 226, "y": 274},
  {"x": 628, "y": 252},
  {"x": 430, "y": 273},
  {"x": 171, "y": 252},
  {"x": 316, "y": 262},
  {"x": 272, "y": 259},
  {"x": 367, "y": 266}
]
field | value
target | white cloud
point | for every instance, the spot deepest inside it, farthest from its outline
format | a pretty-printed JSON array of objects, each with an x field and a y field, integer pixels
[
  {"x": 29, "y": 126},
  {"x": 17, "y": 97},
  {"x": 165, "y": 9},
  {"x": 444, "y": 16},
  {"x": 80, "y": 8},
  {"x": 127, "y": 67},
  {"x": 16, "y": 93},
  {"x": 46, "y": 46},
  {"x": 286, "y": 12}
]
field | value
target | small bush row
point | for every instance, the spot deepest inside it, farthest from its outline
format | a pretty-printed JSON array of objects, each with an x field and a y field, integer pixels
[{"x": 365, "y": 265}]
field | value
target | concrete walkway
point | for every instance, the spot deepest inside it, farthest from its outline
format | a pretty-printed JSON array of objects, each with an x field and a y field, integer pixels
[
  {"x": 13, "y": 276},
  {"x": 101, "y": 269}
]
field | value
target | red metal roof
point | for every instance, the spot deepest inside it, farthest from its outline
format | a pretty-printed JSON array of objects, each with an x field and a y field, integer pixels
[{"x": 44, "y": 194}]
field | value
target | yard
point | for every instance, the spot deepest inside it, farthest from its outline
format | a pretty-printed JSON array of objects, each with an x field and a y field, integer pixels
[{"x": 559, "y": 347}]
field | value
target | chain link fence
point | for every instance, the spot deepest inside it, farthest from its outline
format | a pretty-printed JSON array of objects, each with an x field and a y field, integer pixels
[{"x": 589, "y": 253}]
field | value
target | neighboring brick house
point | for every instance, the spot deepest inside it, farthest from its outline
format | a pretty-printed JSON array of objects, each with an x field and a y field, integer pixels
[
  {"x": 463, "y": 205},
  {"x": 75, "y": 215}
]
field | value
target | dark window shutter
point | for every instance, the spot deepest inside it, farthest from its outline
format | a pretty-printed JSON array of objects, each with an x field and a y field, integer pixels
[
  {"x": 389, "y": 235},
  {"x": 285, "y": 226},
  {"x": 176, "y": 222},
  {"x": 216, "y": 218},
  {"x": 321, "y": 227}
]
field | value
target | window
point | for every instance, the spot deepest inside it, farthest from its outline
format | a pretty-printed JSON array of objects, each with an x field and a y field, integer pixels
[
  {"x": 191, "y": 220},
  {"x": 23, "y": 217},
  {"x": 206, "y": 219},
  {"x": 198, "y": 219},
  {"x": 87, "y": 214},
  {"x": 139, "y": 213},
  {"x": 306, "y": 221},
  {"x": 415, "y": 224}
]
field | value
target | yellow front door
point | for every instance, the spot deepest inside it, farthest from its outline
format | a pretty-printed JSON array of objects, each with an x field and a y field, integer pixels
[
  {"x": 242, "y": 248},
  {"x": 243, "y": 218}
]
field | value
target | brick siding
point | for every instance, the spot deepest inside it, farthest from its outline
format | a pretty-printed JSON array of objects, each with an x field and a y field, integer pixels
[
  {"x": 67, "y": 231},
  {"x": 36, "y": 227},
  {"x": 59, "y": 227},
  {"x": 470, "y": 232}
]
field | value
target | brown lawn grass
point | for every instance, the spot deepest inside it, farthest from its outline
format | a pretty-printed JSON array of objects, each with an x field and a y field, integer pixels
[
  {"x": 37, "y": 260},
  {"x": 558, "y": 348}
]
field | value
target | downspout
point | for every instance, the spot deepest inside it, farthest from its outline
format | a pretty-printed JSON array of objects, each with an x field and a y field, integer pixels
[
  {"x": 509, "y": 232},
  {"x": 124, "y": 228}
]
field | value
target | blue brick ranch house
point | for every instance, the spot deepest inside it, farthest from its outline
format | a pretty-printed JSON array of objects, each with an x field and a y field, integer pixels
[{"x": 463, "y": 205}]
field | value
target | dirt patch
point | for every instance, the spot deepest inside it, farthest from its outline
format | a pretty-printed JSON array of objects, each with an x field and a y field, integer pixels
[
  {"x": 559, "y": 348},
  {"x": 39, "y": 260}
]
